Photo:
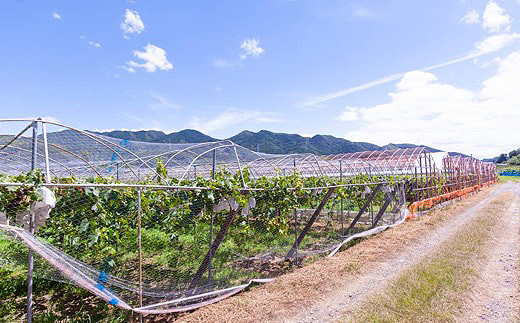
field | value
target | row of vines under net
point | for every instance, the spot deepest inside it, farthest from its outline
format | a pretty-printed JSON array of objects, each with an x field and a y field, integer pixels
[
  {"x": 164, "y": 249},
  {"x": 153, "y": 241}
]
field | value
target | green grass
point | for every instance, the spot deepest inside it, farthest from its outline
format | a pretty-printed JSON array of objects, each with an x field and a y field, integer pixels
[
  {"x": 509, "y": 178},
  {"x": 433, "y": 290},
  {"x": 166, "y": 262},
  {"x": 502, "y": 168}
]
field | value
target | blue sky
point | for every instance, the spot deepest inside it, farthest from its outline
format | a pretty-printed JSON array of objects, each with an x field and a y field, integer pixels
[{"x": 361, "y": 70}]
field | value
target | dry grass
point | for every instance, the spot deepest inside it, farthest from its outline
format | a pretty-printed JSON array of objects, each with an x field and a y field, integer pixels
[
  {"x": 292, "y": 293},
  {"x": 434, "y": 289}
]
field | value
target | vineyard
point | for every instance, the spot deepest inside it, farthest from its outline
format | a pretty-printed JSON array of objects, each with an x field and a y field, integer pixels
[{"x": 164, "y": 228}]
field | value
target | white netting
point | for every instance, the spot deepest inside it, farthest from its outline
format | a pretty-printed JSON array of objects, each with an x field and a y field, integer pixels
[{"x": 162, "y": 228}]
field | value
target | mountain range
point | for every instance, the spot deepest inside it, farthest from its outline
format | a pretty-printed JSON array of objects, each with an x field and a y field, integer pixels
[{"x": 262, "y": 141}]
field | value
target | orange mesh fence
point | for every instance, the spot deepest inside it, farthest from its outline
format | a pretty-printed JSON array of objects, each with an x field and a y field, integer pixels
[{"x": 432, "y": 201}]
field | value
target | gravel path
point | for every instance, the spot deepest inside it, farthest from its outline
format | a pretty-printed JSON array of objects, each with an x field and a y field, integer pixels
[
  {"x": 344, "y": 301},
  {"x": 494, "y": 297}
]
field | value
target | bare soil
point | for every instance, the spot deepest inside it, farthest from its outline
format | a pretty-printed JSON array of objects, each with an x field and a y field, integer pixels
[{"x": 329, "y": 287}]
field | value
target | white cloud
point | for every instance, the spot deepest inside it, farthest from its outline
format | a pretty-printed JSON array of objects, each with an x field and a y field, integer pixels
[
  {"x": 129, "y": 69},
  {"x": 423, "y": 110},
  {"x": 90, "y": 42},
  {"x": 250, "y": 47},
  {"x": 227, "y": 119},
  {"x": 154, "y": 58},
  {"x": 496, "y": 42},
  {"x": 267, "y": 119},
  {"x": 486, "y": 46},
  {"x": 349, "y": 114},
  {"x": 94, "y": 44},
  {"x": 495, "y": 19},
  {"x": 472, "y": 17},
  {"x": 56, "y": 15},
  {"x": 217, "y": 62},
  {"x": 162, "y": 103},
  {"x": 132, "y": 23}
]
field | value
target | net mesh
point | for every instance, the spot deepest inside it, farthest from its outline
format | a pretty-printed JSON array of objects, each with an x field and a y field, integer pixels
[{"x": 161, "y": 228}]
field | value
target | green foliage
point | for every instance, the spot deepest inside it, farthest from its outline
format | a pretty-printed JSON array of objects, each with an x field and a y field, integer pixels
[
  {"x": 14, "y": 199},
  {"x": 99, "y": 225},
  {"x": 514, "y": 160},
  {"x": 161, "y": 170}
]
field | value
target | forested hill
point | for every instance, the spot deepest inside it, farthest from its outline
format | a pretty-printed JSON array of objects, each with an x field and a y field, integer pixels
[
  {"x": 263, "y": 141},
  {"x": 511, "y": 158}
]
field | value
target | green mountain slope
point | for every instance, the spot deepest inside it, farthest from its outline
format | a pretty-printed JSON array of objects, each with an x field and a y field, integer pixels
[
  {"x": 263, "y": 141},
  {"x": 183, "y": 136}
]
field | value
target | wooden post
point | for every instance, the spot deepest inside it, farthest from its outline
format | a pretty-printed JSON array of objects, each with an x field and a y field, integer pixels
[
  {"x": 310, "y": 222},
  {"x": 365, "y": 206},
  {"x": 388, "y": 200},
  {"x": 214, "y": 246}
]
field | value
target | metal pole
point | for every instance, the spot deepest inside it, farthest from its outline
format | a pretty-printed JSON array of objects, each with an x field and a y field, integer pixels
[
  {"x": 46, "y": 151},
  {"x": 210, "y": 248},
  {"x": 31, "y": 229},
  {"x": 296, "y": 233},
  {"x": 214, "y": 166},
  {"x": 239, "y": 167},
  {"x": 341, "y": 199},
  {"x": 371, "y": 210},
  {"x": 139, "y": 251}
]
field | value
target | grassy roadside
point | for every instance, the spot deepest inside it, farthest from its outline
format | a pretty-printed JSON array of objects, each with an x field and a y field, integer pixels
[
  {"x": 505, "y": 179},
  {"x": 433, "y": 289}
]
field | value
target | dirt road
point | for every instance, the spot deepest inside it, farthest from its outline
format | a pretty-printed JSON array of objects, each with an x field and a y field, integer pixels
[
  {"x": 333, "y": 287},
  {"x": 494, "y": 297}
]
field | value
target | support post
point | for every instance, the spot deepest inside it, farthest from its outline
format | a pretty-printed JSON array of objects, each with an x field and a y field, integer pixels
[
  {"x": 296, "y": 232},
  {"x": 210, "y": 248},
  {"x": 31, "y": 228},
  {"x": 139, "y": 251},
  {"x": 388, "y": 200},
  {"x": 311, "y": 222},
  {"x": 46, "y": 152},
  {"x": 214, "y": 164},
  {"x": 214, "y": 246},
  {"x": 365, "y": 206},
  {"x": 239, "y": 167},
  {"x": 341, "y": 199}
]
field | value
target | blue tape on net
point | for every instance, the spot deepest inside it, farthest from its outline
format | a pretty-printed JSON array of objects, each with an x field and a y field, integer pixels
[
  {"x": 113, "y": 301},
  {"x": 103, "y": 276}
]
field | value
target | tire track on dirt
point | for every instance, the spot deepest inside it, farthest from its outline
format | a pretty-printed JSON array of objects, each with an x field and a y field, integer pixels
[{"x": 331, "y": 306}]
